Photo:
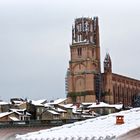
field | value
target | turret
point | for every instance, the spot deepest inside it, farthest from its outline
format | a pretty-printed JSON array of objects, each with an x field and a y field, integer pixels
[{"x": 107, "y": 64}]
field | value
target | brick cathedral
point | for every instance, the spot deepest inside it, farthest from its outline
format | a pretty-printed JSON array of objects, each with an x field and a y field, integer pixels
[{"x": 84, "y": 80}]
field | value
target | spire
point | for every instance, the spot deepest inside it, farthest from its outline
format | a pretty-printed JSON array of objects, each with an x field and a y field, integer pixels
[{"x": 107, "y": 63}]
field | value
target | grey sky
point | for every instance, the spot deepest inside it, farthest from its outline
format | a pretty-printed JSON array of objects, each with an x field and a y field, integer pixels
[{"x": 35, "y": 37}]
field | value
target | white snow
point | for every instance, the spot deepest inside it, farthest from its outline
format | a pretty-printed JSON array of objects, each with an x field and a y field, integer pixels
[
  {"x": 4, "y": 114},
  {"x": 58, "y": 101},
  {"x": 67, "y": 105},
  {"x": 97, "y": 128},
  {"x": 15, "y": 110},
  {"x": 117, "y": 106},
  {"x": 3, "y": 103},
  {"x": 14, "y": 118},
  {"x": 60, "y": 110},
  {"x": 102, "y": 104},
  {"x": 87, "y": 103},
  {"x": 46, "y": 105},
  {"x": 18, "y": 102},
  {"x": 53, "y": 112},
  {"x": 37, "y": 103}
]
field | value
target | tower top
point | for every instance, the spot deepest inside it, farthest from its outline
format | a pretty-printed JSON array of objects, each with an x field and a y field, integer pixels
[
  {"x": 85, "y": 30},
  {"x": 107, "y": 58},
  {"x": 107, "y": 63}
]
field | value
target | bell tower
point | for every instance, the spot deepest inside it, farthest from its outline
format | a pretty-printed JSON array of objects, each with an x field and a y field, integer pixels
[
  {"x": 84, "y": 63},
  {"x": 107, "y": 80}
]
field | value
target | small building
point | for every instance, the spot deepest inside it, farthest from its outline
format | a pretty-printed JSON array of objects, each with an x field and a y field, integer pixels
[
  {"x": 14, "y": 116},
  {"x": 23, "y": 114},
  {"x": 62, "y": 112},
  {"x": 50, "y": 115},
  {"x": 58, "y": 109},
  {"x": 69, "y": 110},
  {"x": 39, "y": 109},
  {"x": 29, "y": 107}
]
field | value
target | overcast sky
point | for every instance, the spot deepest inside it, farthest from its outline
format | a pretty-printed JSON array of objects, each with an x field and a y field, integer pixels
[{"x": 35, "y": 37}]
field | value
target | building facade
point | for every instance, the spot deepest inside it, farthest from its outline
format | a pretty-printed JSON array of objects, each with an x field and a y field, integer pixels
[
  {"x": 84, "y": 80},
  {"x": 118, "y": 88},
  {"x": 85, "y": 60}
]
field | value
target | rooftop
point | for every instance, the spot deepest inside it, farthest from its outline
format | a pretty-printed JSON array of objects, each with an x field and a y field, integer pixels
[{"x": 84, "y": 129}]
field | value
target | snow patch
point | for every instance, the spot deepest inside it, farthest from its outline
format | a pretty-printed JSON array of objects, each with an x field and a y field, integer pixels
[{"x": 100, "y": 128}]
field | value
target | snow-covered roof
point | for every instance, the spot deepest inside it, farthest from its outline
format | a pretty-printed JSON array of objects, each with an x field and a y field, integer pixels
[
  {"x": 27, "y": 113},
  {"x": 67, "y": 105},
  {"x": 14, "y": 118},
  {"x": 87, "y": 116},
  {"x": 102, "y": 104},
  {"x": 3, "y": 103},
  {"x": 60, "y": 110},
  {"x": 21, "y": 112},
  {"x": 86, "y": 103},
  {"x": 58, "y": 101},
  {"x": 14, "y": 110},
  {"x": 37, "y": 103},
  {"x": 117, "y": 106},
  {"x": 18, "y": 102},
  {"x": 74, "y": 111},
  {"x": 47, "y": 105},
  {"x": 100, "y": 127},
  {"x": 41, "y": 101},
  {"x": 5, "y": 114},
  {"x": 53, "y": 112}
]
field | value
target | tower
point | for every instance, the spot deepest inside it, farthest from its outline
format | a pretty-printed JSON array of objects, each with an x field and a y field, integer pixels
[
  {"x": 107, "y": 80},
  {"x": 84, "y": 63}
]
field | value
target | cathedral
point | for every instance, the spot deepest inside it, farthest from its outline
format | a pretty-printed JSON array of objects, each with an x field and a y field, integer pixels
[{"x": 84, "y": 80}]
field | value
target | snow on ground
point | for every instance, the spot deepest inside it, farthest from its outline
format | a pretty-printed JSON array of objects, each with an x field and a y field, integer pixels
[{"x": 100, "y": 128}]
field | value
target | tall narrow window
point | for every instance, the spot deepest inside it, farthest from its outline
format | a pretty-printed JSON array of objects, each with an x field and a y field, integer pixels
[{"x": 79, "y": 50}]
